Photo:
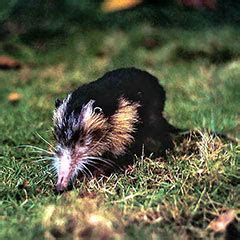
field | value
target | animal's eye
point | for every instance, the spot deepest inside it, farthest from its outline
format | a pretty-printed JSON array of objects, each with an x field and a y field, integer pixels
[
  {"x": 81, "y": 141},
  {"x": 97, "y": 110}
]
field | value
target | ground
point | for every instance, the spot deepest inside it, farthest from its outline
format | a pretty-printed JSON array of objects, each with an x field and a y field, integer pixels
[{"x": 165, "y": 198}]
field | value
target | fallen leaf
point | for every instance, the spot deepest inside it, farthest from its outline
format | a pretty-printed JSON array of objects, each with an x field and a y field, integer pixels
[
  {"x": 222, "y": 221},
  {"x": 211, "y": 4},
  {"x": 38, "y": 190},
  {"x": 24, "y": 185},
  {"x": 9, "y": 63},
  {"x": 14, "y": 97},
  {"x": 116, "y": 5},
  {"x": 150, "y": 43}
]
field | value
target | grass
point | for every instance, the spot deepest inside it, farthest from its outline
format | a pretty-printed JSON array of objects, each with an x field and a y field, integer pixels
[{"x": 172, "y": 198}]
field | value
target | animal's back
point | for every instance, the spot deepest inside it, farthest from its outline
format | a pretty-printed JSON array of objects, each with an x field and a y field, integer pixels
[
  {"x": 134, "y": 84},
  {"x": 137, "y": 86}
]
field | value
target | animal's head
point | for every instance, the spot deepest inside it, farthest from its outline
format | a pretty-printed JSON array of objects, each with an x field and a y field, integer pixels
[{"x": 83, "y": 136}]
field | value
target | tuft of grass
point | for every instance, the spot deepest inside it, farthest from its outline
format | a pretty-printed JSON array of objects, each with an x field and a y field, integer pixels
[
  {"x": 81, "y": 218},
  {"x": 183, "y": 193}
]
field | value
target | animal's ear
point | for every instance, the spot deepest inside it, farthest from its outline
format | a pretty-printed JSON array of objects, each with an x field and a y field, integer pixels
[
  {"x": 98, "y": 110},
  {"x": 58, "y": 103}
]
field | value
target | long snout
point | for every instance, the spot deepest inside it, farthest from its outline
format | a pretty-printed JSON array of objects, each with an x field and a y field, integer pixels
[{"x": 64, "y": 171}]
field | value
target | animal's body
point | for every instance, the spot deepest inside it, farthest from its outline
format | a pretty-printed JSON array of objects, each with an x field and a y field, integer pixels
[{"x": 110, "y": 118}]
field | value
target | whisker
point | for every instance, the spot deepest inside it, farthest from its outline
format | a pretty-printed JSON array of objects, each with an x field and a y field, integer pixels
[
  {"x": 104, "y": 160},
  {"x": 38, "y": 157},
  {"x": 100, "y": 158},
  {"x": 77, "y": 170},
  {"x": 53, "y": 173},
  {"x": 83, "y": 172},
  {"x": 37, "y": 148},
  {"x": 107, "y": 163},
  {"x": 48, "y": 143},
  {"x": 41, "y": 160},
  {"x": 41, "y": 157},
  {"x": 90, "y": 174},
  {"x": 41, "y": 152},
  {"x": 30, "y": 146},
  {"x": 92, "y": 163},
  {"x": 53, "y": 169}
]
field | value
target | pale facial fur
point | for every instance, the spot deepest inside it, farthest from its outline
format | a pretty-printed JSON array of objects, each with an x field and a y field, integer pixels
[{"x": 88, "y": 135}]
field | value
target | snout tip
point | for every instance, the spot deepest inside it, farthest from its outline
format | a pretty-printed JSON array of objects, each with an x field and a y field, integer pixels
[
  {"x": 61, "y": 185},
  {"x": 60, "y": 188}
]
